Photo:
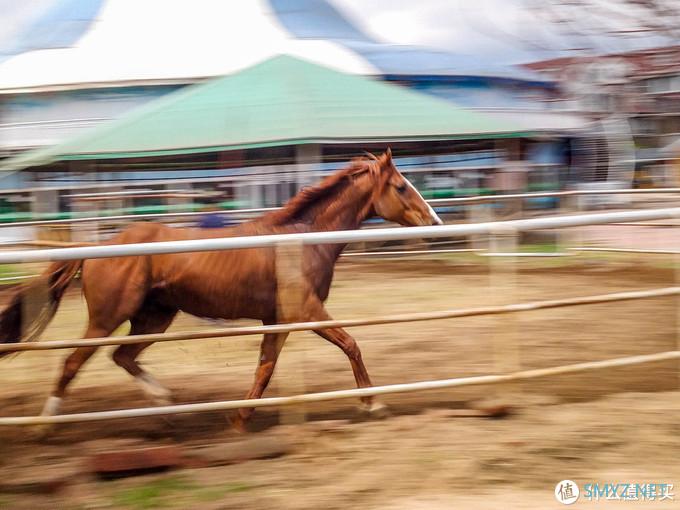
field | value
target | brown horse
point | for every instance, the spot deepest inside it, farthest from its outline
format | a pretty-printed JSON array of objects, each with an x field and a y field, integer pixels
[{"x": 148, "y": 291}]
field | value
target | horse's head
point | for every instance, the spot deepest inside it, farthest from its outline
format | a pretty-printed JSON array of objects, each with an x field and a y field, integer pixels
[{"x": 396, "y": 199}]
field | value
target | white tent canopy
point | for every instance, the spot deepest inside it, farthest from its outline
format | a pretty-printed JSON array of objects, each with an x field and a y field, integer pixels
[
  {"x": 134, "y": 41},
  {"x": 104, "y": 42}
]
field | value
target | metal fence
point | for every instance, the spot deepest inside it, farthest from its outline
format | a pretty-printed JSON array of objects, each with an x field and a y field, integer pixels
[
  {"x": 508, "y": 228},
  {"x": 437, "y": 202}
]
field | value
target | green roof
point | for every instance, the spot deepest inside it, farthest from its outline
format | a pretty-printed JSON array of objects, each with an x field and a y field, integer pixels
[{"x": 281, "y": 101}]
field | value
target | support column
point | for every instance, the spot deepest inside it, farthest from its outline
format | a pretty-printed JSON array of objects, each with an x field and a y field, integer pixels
[
  {"x": 85, "y": 232},
  {"x": 271, "y": 189},
  {"x": 43, "y": 204},
  {"x": 307, "y": 157},
  {"x": 249, "y": 193},
  {"x": 512, "y": 176}
]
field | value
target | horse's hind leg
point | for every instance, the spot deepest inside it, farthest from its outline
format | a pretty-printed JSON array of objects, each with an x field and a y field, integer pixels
[
  {"x": 114, "y": 291},
  {"x": 150, "y": 319},
  {"x": 72, "y": 366}
]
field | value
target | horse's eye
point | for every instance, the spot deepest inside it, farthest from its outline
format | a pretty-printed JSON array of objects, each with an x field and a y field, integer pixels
[{"x": 401, "y": 188}]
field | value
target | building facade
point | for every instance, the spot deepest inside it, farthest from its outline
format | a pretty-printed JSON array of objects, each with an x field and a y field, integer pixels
[{"x": 638, "y": 91}]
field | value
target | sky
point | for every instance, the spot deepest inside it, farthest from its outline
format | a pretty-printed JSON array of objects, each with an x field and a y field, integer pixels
[
  {"x": 503, "y": 29},
  {"x": 479, "y": 26},
  {"x": 14, "y": 13}
]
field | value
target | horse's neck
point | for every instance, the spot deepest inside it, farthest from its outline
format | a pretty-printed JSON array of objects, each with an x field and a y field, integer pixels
[
  {"x": 344, "y": 212},
  {"x": 340, "y": 209}
]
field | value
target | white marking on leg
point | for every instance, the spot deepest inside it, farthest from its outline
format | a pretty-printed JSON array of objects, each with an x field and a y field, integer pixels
[
  {"x": 153, "y": 389},
  {"x": 373, "y": 407},
  {"x": 435, "y": 218},
  {"x": 52, "y": 406}
]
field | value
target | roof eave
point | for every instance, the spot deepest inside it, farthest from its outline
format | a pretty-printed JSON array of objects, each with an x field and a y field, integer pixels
[{"x": 273, "y": 143}]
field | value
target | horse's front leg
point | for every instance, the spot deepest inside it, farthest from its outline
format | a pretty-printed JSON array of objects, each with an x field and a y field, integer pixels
[
  {"x": 338, "y": 336},
  {"x": 270, "y": 349}
]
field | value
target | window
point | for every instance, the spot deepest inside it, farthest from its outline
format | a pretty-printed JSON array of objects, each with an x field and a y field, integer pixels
[{"x": 663, "y": 84}]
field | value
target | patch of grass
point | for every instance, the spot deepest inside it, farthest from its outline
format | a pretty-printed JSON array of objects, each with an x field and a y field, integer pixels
[
  {"x": 12, "y": 270},
  {"x": 173, "y": 492},
  {"x": 154, "y": 494},
  {"x": 9, "y": 269},
  {"x": 539, "y": 248}
]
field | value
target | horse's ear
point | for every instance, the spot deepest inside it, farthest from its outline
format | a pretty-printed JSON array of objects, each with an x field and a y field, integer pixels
[
  {"x": 388, "y": 154},
  {"x": 371, "y": 155}
]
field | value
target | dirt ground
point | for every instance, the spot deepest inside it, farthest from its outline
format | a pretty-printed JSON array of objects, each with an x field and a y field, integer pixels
[{"x": 620, "y": 425}]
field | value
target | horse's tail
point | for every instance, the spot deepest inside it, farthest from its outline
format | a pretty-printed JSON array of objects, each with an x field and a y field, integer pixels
[{"x": 34, "y": 305}]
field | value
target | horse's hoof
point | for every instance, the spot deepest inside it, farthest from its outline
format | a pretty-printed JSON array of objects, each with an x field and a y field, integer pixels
[
  {"x": 163, "y": 401},
  {"x": 238, "y": 423},
  {"x": 375, "y": 410},
  {"x": 42, "y": 432},
  {"x": 168, "y": 421}
]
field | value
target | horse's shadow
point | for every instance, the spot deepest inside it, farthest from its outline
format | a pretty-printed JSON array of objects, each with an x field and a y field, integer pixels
[
  {"x": 214, "y": 426},
  {"x": 207, "y": 427}
]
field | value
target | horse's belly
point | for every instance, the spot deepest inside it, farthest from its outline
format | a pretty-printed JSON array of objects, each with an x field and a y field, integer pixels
[
  {"x": 226, "y": 304},
  {"x": 214, "y": 310},
  {"x": 225, "y": 285}
]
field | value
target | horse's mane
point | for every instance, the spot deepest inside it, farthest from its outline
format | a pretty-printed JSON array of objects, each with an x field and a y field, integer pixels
[{"x": 309, "y": 196}]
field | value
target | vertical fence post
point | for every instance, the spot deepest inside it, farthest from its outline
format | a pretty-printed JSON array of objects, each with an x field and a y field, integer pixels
[
  {"x": 564, "y": 238},
  {"x": 117, "y": 204},
  {"x": 503, "y": 281},
  {"x": 86, "y": 232},
  {"x": 34, "y": 306},
  {"x": 479, "y": 213},
  {"x": 571, "y": 237},
  {"x": 517, "y": 208},
  {"x": 44, "y": 203},
  {"x": 289, "y": 296}
]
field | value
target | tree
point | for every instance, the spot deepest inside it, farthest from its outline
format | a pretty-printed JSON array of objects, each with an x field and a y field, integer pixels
[{"x": 606, "y": 26}]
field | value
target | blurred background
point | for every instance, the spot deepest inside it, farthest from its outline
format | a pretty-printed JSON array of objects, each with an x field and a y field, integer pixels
[
  {"x": 90, "y": 90},
  {"x": 207, "y": 113}
]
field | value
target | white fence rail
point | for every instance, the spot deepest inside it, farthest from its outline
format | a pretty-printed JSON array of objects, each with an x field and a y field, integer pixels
[
  {"x": 337, "y": 237},
  {"x": 341, "y": 394},
  {"x": 344, "y": 323}
]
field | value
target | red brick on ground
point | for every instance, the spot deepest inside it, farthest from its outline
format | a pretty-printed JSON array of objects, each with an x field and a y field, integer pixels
[{"x": 134, "y": 461}]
